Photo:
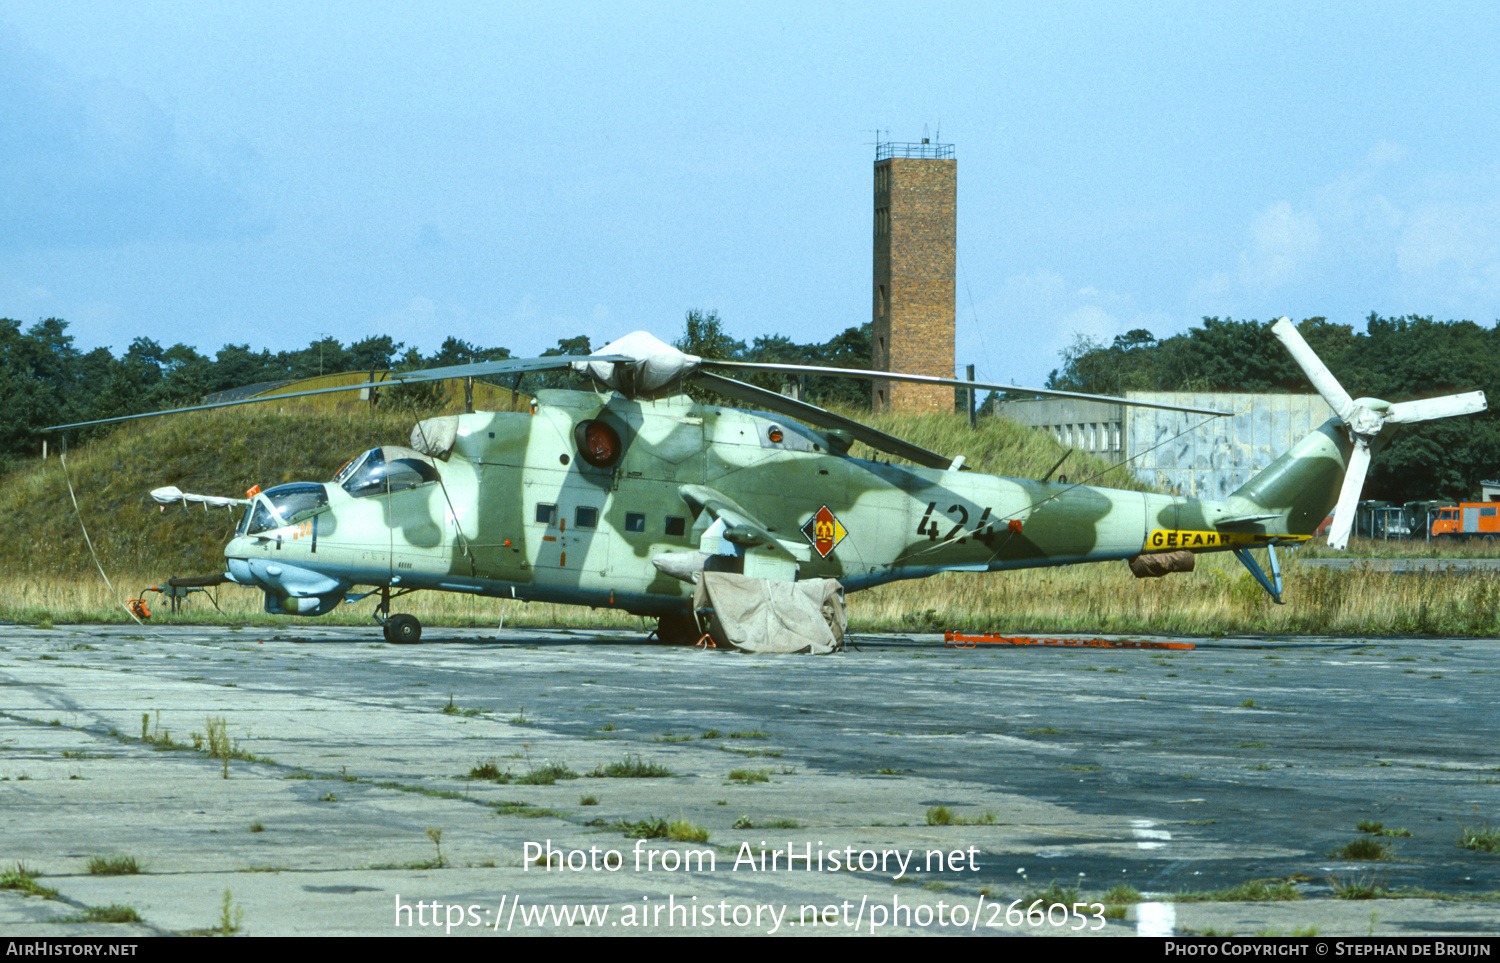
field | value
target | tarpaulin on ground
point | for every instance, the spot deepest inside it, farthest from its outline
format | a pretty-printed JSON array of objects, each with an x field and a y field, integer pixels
[{"x": 765, "y": 615}]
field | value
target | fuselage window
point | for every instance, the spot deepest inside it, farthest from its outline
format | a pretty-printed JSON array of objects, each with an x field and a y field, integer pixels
[
  {"x": 635, "y": 522},
  {"x": 546, "y": 514},
  {"x": 676, "y": 525},
  {"x": 586, "y": 516}
]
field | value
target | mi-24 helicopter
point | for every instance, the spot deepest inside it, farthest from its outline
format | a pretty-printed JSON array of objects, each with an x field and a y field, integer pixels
[{"x": 622, "y": 496}]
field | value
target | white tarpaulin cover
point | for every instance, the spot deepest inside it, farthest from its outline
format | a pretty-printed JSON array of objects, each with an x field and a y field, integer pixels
[
  {"x": 658, "y": 367},
  {"x": 766, "y": 615},
  {"x": 172, "y": 495},
  {"x": 435, "y": 436}
]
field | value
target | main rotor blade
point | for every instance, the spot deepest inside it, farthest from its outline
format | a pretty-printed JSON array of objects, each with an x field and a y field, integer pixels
[
  {"x": 552, "y": 362},
  {"x": 388, "y": 379},
  {"x": 869, "y": 375},
  {"x": 218, "y": 404},
  {"x": 823, "y": 418},
  {"x": 1354, "y": 483},
  {"x": 1426, "y": 409},
  {"x": 1317, "y": 372}
]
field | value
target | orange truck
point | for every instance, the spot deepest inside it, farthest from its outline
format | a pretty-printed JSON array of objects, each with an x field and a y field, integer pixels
[{"x": 1468, "y": 520}]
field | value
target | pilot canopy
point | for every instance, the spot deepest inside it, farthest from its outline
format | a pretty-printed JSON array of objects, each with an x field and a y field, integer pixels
[{"x": 380, "y": 471}]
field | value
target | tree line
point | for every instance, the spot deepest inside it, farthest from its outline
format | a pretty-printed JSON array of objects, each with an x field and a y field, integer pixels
[{"x": 47, "y": 380}]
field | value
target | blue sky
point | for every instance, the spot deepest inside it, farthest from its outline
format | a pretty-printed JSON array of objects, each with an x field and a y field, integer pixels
[{"x": 270, "y": 173}]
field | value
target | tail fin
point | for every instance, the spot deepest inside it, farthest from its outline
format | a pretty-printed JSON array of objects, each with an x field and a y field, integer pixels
[{"x": 1298, "y": 490}]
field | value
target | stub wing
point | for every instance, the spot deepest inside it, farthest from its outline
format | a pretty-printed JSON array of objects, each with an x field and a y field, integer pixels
[{"x": 738, "y": 526}]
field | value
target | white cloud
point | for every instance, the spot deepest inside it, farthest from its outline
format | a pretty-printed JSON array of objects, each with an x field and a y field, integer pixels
[
  {"x": 1284, "y": 248},
  {"x": 1378, "y": 236}
]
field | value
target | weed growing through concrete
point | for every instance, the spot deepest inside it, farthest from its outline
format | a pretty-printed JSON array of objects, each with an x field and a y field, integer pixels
[
  {"x": 218, "y": 741},
  {"x": 744, "y": 822},
  {"x": 102, "y": 914},
  {"x": 436, "y": 835},
  {"x": 546, "y": 775},
  {"x": 747, "y": 776},
  {"x": 631, "y": 767},
  {"x": 683, "y": 831},
  {"x": 114, "y": 866},
  {"x": 231, "y": 917},
  {"x": 1358, "y": 886},
  {"x": 1482, "y": 839},
  {"x": 491, "y": 771},
  {"x": 157, "y": 736},
  {"x": 525, "y": 810},
  {"x": 943, "y": 816},
  {"x": 1253, "y": 891},
  {"x": 22, "y": 878},
  {"x": 1117, "y": 899},
  {"x": 1364, "y": 849},
  {"x": 452, "y": 709},
  {"x": 652, "y": 828}
]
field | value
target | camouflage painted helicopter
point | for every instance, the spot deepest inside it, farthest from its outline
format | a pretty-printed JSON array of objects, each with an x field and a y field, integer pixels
[{"x": 620, "y": 497}]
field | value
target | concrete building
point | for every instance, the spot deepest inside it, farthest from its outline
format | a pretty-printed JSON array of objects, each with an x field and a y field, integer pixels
[
  {"x": 1180, "y": 453},
  {"x": 915, "y": 238}
]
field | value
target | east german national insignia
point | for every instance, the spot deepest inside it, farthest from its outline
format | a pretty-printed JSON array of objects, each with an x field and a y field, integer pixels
[{"x": 825, "y": 531}]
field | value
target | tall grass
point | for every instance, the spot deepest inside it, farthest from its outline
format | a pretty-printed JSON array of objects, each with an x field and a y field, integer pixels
[{"x": 1220, "y": 597}]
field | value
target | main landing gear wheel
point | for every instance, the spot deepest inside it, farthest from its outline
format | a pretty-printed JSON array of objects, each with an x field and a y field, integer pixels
[{"x": 403, "y": 629}]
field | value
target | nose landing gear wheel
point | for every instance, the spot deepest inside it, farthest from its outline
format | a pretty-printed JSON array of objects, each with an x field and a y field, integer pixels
[{"x": 403, "y": 629}]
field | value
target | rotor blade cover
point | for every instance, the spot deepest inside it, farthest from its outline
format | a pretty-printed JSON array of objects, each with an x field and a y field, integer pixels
[
  {"x": 1317, "y": 372},
  {"x": 1408, "y": 412},
  {"x": 1354, "y": 483},
  {"x": 654, "y": 366},
  {"x": 172, "y": 495}
]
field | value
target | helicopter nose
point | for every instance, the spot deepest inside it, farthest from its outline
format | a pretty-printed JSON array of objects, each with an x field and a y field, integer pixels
[{"x": 285, "y": 580}]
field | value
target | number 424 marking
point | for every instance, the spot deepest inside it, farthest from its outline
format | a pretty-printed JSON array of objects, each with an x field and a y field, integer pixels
[{"x": 929, "y": 526}]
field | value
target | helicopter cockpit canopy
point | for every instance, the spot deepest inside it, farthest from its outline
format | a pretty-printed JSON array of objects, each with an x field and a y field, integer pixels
[
  {"x": 389, "y": 468},
  {"x": 282, "y": 506}
]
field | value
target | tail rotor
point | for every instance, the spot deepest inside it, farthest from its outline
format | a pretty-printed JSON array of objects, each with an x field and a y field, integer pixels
[{"x": 1365, "y": 418}]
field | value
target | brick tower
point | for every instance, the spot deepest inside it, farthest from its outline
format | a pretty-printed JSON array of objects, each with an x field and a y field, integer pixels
[{"x": 916, "y": 202}]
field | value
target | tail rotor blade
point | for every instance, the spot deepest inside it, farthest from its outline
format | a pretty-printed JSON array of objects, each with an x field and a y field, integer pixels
[
  {"x": 1317, "y": 372},
  {"x": 1408, "y": 412},
  {"x": 1354, "y": 483}
]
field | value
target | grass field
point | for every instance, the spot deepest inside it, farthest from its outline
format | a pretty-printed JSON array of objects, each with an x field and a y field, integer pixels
[{"x": 1220, "y": 598}]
